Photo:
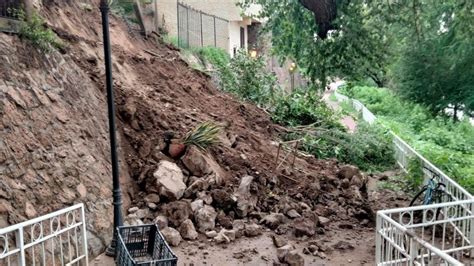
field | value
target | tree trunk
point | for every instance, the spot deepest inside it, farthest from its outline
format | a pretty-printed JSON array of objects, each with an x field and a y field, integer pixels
[{"x": 325, "y": 12}]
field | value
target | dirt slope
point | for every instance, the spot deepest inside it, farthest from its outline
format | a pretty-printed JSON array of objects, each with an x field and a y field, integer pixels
[{"x": 54, "y": 147}]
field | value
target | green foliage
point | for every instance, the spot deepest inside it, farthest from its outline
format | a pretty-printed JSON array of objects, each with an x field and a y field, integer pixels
[
  {"x": 251, "y": 80},
  {"x": 301, "y": 108},
  {"x": 447, "y": 144},
  {"x": 356, "y": 49},
  {"x": 35, "y": 31},
  {"x": 203, "y": 136},
  {"x": 415, "y": 175},
  {"x": 370, "y": 147},
  {"x": 173, "y": 40}
]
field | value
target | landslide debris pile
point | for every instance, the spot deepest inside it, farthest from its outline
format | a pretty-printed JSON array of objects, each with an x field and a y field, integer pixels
[{"x": 230, "y": 191}]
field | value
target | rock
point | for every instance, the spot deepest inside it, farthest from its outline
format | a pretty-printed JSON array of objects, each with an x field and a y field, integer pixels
[
  {"x": 152, "y": 206},
  {"x": 279, "y": 241},
  {"x": 225, "y": 236},
  {"x": 283, "y": 251},
  {"x": 343, "y": 245},
  {"x": 30, "y": 211},
  {"x": 171, "y": 236},
  {"x": 224, "y": 220},
  {"x": 196, "y": 205},
  {"x": 177, "y": 212},
  {"x": 347, "y": 172},
  {"x": 133, "y": 221},
  {"x": 304, "y": 227},
  {"x": 246, "y": 202},
  {"x": 187, "y": 230},
  {"x": 169, "y": 180},
  {"x": 238, "y": 226},
  {"x": 161, "y": 221},
  {"x": 142, "y": 213},
  {"x": 223, "y": 200},
  {"x": 273, "y": 220},
  {"x": 252, "y": 230},
  {"x": 293, "y": 258},
  {"x": 133, "y": 210},
  {"x": 203, "y": 195},
  {"x": 345, "y": 184},
  {"x": 323, "y": 221},
  {"x": 211, "y": 234},
  {"x": 196, "y": 186},
  {"x": 200, "y": 164},
  {"x": 293, "y": 214},
  {"x": 205, "y": 218},
  {"x": 304, "y": 206},
  {"x": 358, "y": 180},
  {"x": 152, "y": 198},
  {"x": 313, "y": 248}
]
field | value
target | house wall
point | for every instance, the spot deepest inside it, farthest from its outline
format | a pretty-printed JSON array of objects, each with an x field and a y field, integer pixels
[
  {"x": 234, "y": 36},
  {"x": 167, "y": 16}
]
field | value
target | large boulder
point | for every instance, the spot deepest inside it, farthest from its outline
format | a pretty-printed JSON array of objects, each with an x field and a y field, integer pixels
[
  {"x": 273, "y": 220},
  {"x": 168, "y": 181},
  {"x": 347, "y": 172},
  {"x": 200, "y": 164},
  {"x": 177, "y": 212},
  {"x": 223, "y": 200},
  {"x": 304, "y": 227},
  {"x": 187, "y": 230},
  {"x": 205, "y": 218},
  {"x": 171, "y": 236},
  {"x": 252, "y": 230}
]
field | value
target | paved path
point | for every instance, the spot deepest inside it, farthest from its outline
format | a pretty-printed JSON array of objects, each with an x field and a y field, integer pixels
[{"x": 347, "y": 121}]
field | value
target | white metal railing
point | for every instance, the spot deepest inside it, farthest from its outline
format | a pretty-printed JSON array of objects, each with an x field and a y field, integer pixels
[
  {"x": 404, "y": 153},
  {"x": 58, "y": 238},
  {"x": 436, "y": 234}
]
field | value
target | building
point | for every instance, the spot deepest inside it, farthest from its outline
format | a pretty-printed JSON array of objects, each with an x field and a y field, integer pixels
[{"x": 192, "y": 21}]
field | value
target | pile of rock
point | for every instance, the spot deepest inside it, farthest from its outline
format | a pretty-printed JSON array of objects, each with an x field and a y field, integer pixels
[{"x": 192, "y": 198}]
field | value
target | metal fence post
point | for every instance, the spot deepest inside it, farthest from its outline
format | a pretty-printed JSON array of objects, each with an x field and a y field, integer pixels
[
  {"x": 179, "y": 22},
  {"x": 378, "y": 240},
  {"x": 20, "y": 244},
  {"x": 215, "y": 36},
  {"x": 202, "y": 39},
  {"x": 187, "y": 26},
  {"x": 471, "y": 233}
]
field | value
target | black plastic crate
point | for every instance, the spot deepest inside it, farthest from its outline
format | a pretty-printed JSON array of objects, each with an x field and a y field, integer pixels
[{"x": 143, "y": 245}]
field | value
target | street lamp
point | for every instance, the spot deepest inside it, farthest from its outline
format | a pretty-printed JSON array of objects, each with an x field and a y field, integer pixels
[{"x": 117, "y": 193}]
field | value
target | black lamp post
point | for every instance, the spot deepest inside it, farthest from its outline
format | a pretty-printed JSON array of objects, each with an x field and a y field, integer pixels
[{"x": 117, "y": 193}]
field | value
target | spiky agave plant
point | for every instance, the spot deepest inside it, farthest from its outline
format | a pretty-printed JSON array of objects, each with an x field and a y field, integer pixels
[{"x": 203, "y": 136}]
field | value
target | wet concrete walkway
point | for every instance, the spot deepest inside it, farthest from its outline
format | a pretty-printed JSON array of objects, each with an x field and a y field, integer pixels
[{"x": 347, "y": 121}]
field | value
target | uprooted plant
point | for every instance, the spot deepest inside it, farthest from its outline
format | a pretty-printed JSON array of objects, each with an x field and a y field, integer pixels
[{"x": 202, "y": 137}]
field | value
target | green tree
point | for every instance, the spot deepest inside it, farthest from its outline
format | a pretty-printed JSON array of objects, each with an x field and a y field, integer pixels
[
  {"x": 348, "y": 44},
  {"x": 436, "y": 68}
]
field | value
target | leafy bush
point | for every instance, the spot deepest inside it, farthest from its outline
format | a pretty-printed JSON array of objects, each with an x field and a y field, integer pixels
[
  {"x": 249, "y": 79},
  {"x": 370, "y": 147},
  {"x": 448, "y": 145},
  {"x": 37, "y": 34},
  {"x": 300, "y": 107}
]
